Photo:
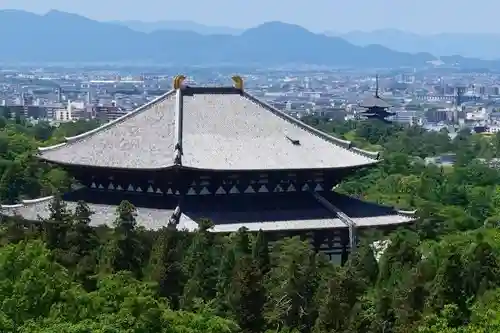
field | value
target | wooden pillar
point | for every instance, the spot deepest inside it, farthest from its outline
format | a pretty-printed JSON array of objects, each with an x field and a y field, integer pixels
[
  {"x": 344, "y": 241},
  {"x": 318, "y": 239}
]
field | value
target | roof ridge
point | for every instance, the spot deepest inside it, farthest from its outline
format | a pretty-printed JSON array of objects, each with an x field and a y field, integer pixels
[
  {"x": 179, "y": 110},
  {"x": 105, "y": 126},
  {"x": 327, "y": 137}
]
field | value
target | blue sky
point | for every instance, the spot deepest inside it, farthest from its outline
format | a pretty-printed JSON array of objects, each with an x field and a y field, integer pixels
[{"x": 422, "y": 16}]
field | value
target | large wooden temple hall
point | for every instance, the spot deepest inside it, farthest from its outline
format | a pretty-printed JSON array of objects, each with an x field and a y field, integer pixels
[{"x": 221, "y": 154}]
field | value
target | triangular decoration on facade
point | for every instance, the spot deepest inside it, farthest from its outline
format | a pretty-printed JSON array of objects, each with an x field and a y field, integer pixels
[
  {"x": 138, "y": 189},
  {"x": 191, "y": 191},
  {"x": 220, "y": 190},
  {"x": 204, "y": 191},
  {"x": 111, "y": 186},
  {"x": 263, "y": 189},
  {"x": 318, "y": 188},
  {"x": 119, "y": 188},
  {"x": 249, "y": 189},
  {"x": 130, "y": 188},
  {"x": 177, "y": 192},
  {"x": 234, "y": 190},
  {"x": 100, "y": 187},
  {"x": 150, "y": 189},
  {"x": 291, "y": 188},
  {"x": 93, "y": 185},
  {"x": 158, "y": 191},
  {"x": 193, "y": 183},
  {"x": 278, "y": 189},
  {"x": 305, "y": 187},
  {"x": 169, "y": 191}
]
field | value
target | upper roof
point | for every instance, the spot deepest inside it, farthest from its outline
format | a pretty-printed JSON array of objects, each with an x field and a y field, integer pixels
[
  {"x": 374, "y": 101},
  {"x": 211, "y": 128}
]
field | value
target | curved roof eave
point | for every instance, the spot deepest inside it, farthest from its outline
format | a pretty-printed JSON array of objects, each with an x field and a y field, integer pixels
[
  {"x": 373, "y": 162},
  {"x": 27, "y": 202},
  {"x": 163, "y": 167}
]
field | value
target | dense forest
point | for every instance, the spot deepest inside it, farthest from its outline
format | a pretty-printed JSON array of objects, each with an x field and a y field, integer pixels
[{"x": 442, "y": 275}]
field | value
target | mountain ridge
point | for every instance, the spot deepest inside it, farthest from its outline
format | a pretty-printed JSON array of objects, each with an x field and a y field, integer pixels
[
  {"x": 475, "y": 45},
  {"x": 58, "y": 36},
  {"x": 183, "y": 25}
]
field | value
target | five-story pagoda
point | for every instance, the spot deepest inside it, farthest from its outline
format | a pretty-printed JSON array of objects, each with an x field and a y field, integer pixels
[{"x": 221, "y": 154}]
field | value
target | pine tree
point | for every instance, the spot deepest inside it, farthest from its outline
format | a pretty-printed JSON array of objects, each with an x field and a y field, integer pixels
[
  {"x": 291, "y": 282},
  {"x": 260, "y": 252},
  {"x": 11, "y": 184},
  {"x": 83, "y": 239},
  {"x": 200, "y": 266},
  {"x": 242, "y": 244},
  {"x": 334, "y": 307},
  {"x": 225, "y": 276},
  {"x": 165, "y": 265},
  {"x": 56, "y": 226},
  {"x": 125, "y": 249},
  {"x": 13, "y": 230},
  {"x": 247, "y": 296},
  {"x": 83, "y": 245},
  {"x": 363, "y": 266}
]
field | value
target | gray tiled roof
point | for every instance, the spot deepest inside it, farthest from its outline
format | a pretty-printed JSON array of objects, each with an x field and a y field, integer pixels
[
  {"x": 233, "y": 132},
  {"x": 149, "y": 218},
  {"x": 141, "y": 139},
  {"x": 220, "y": 130},
  {"x": 288, "y": 211}
]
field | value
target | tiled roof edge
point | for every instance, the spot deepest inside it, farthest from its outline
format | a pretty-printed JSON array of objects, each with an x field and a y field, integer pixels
[
  {"x": 407, "y": 213},
  {"x": 27, "y": 202},
  {"x": 110, "y": 124},
  {"x": 336, "y": 141},
  {"x": 370, "y": 154}
]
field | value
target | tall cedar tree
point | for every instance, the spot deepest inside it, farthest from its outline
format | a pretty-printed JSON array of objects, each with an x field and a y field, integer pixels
[
  {"x": 83, "y": 244},
  {"x": 124, "y": 252},
  {"x": 290, "y": 285},
  {"x": 237, "y": 248},
  {"x": 165, "y": 266},
  {"x": 260, "y": 252},
  {"x": 56, "y": 226},
  {"x": 82, "y": 238},
  {"x": 247, "y": 295},
  {"x": 224, "y": 279},
  {"x": 334, "y": 306},
  {"x": 200, "y": 266},
  {"x": 11, "y": 183}
]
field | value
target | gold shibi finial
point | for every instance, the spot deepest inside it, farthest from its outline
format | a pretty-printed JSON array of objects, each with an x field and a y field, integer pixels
[
  {"x": 178, "y": 81},
  {"x": 238, "y": 82}
]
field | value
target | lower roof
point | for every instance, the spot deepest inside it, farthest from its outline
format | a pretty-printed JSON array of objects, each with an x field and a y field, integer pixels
[{"x": 268, "y": 212}]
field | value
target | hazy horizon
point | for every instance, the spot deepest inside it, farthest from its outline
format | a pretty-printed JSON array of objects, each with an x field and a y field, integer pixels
[{"x": 444, "y": 16}]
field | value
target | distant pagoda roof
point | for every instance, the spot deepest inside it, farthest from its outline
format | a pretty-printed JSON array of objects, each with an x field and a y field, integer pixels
[
  {"x": 374, "y": 101},
  {"x": 209, "y": 128}
]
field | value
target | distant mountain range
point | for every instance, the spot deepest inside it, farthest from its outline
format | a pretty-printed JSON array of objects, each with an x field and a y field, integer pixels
[
  {"x": 478, "y": 45},
  {"x": 201, "y": 29},
  {"x": 63, "y": 37}
]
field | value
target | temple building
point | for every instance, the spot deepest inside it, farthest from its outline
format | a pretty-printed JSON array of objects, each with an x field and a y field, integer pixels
[
  {"x": 221, "y": 154},
  {"x": 376, "y": 107}
]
